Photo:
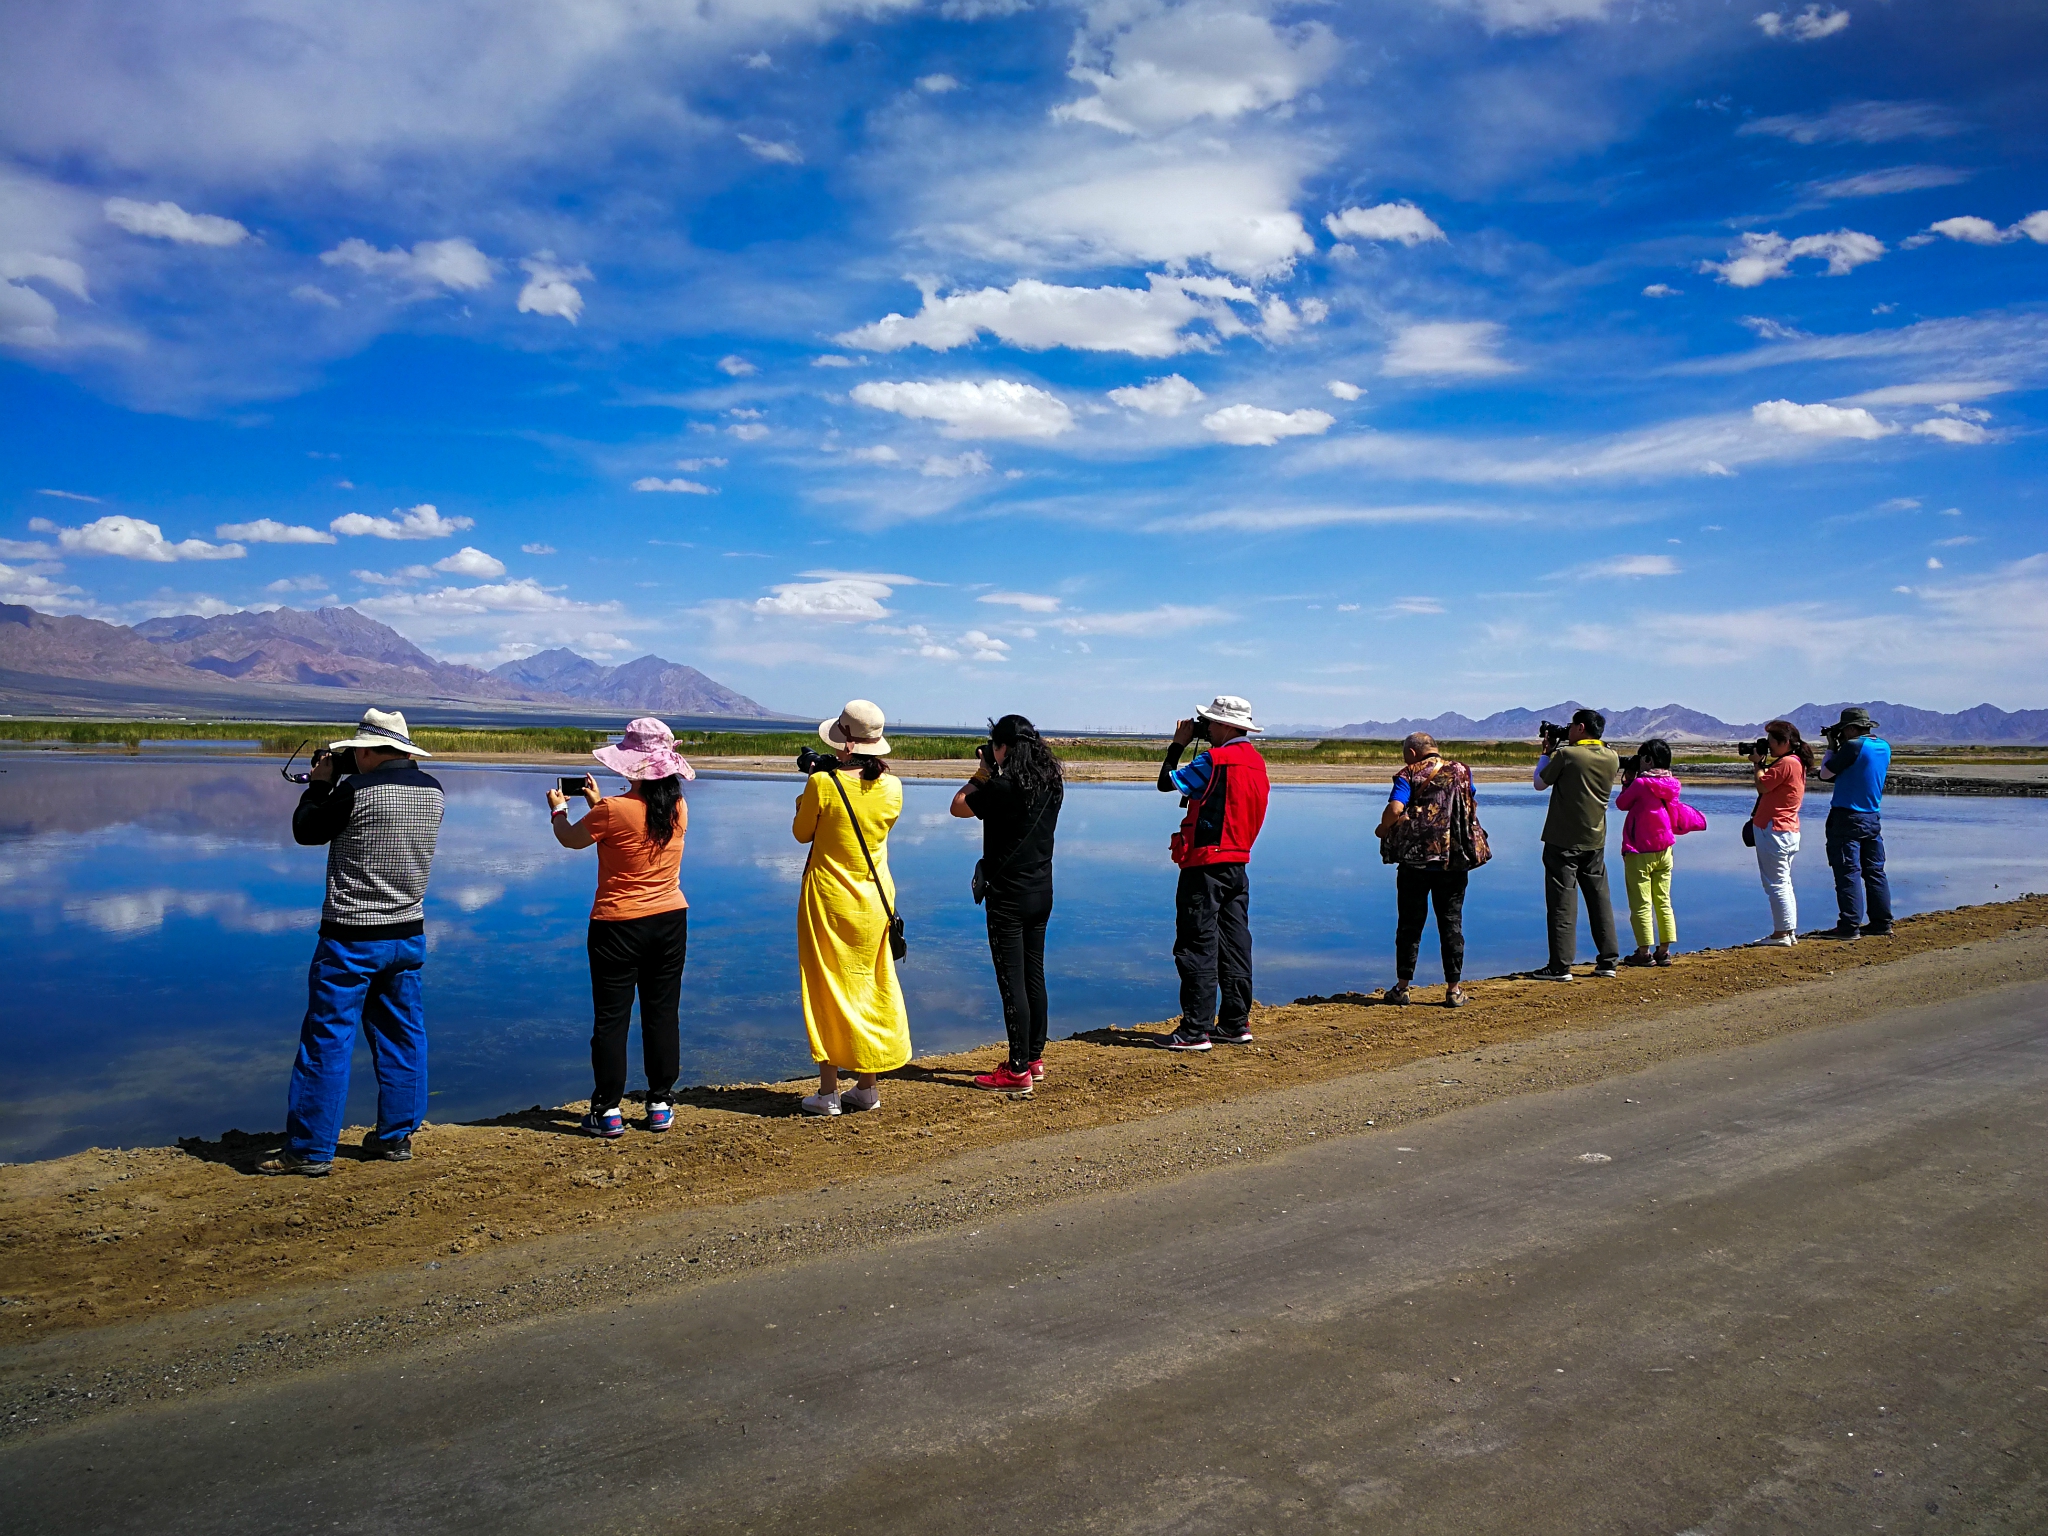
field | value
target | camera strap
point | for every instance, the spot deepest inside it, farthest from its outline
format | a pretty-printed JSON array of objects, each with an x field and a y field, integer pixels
[{"x": 899, "y": 946}]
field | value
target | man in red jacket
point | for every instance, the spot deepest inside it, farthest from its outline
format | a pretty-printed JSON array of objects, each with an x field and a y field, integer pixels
[{"x": 1224, "y": 790}]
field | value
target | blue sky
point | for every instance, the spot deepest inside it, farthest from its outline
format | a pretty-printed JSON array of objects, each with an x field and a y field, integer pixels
[{"x": 1365, "y": 360}]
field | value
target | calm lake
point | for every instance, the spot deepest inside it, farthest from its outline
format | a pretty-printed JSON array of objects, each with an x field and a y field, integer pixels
[{"x": 158, "y": 919}]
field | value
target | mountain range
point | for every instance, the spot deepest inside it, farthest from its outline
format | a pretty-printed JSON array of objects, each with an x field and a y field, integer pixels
[
  {"x": 286, "y": 657},
  {"x": 1984, "y": 724}
]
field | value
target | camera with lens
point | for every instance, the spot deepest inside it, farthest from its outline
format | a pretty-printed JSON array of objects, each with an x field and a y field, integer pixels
[
  {"x": 344, "y": 763},
  {"x": 1553, "y": 736},
  {"x": 1761, "y": 747},
  {"x": 1835, "y": 734},
  {"x": 810, "y": 760}
]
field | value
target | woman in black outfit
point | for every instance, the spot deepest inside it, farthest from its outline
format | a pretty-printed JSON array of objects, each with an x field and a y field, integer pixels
[{"x": 1016, "y": 793}]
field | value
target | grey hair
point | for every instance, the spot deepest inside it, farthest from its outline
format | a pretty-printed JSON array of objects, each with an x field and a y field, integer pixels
[{"x": 1420, "y": 741}]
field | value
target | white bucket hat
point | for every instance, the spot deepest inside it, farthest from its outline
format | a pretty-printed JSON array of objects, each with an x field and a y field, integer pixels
[
  {"x": 858, "y": 729},
  {"x": 1229, "y": 709},
  {"x": 382, "y": 728}
]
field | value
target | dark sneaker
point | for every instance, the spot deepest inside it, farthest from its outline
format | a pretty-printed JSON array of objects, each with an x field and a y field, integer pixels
[
  {"x": 1842, "y": 931},
  {"x": 1606, "y": 970},
  {"x": 399, "y": 1151},
  {"x": 1551, "y": 973},
  {"x": 1877, "y": 930},
  {"x": 1242, "y": 1035},
  {"x": 1188, "y": 1037},
  {"x": 284, "y": 1162},
  {"x": 1396, "y": 995},
  {"x": 1638, "y": 960}
]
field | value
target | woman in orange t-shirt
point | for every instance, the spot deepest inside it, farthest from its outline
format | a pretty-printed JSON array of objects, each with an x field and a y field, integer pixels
[{"x": 639, "y": 923}]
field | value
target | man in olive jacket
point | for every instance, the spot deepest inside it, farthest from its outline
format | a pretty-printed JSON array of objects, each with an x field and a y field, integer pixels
[{"x": 1580, "y": 776}]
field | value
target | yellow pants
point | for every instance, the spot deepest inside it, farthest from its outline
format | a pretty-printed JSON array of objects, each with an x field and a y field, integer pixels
[{"x": 1649, "y": 897}]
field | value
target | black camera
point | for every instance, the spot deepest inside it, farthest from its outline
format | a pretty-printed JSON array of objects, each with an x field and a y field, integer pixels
[
  {"x": 1553, "y": 736},
  {"x": 1834, "y": 734},
  {"x": 810, "y": 760},
  {"x": 344, "y": 763},
  {"x": 1761, "y": 747}
]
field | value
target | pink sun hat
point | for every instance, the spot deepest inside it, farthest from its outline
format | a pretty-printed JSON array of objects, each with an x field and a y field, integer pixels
[{"x": 646, "y": 751}]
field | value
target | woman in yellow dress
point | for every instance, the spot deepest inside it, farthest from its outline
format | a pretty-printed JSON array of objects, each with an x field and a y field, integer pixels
[{"x": 853, "y": 1005}]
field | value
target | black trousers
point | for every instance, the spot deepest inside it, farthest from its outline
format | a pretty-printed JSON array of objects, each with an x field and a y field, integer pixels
[
  {"x": 1414, "y": 891},
  {"x": 1567, "y": 871},
  {"x": 643, "y": 954},
  {"x": 1016, "y": 942},
  {"x": 1212, "y": 946}
]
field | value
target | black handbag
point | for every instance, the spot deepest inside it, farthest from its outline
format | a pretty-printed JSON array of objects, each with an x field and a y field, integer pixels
[
  {"x": 899, "y": 946},
  {"x": 981, "y": 880}
]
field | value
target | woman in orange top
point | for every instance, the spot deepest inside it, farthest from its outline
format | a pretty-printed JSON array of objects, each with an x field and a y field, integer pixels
[
  {"x": 639, "y": 924},
  {"x": 1780, "y": 775}
]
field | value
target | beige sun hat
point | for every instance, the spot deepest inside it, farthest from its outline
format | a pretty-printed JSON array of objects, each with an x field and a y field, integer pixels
[
  {"x": 1229, "y": 709},
  {"x": 858, "y": 729},
  {"x": 382, "y": 728}
]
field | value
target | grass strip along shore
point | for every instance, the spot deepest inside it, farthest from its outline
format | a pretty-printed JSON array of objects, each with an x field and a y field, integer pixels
[{"x": 109, "y": 1237}]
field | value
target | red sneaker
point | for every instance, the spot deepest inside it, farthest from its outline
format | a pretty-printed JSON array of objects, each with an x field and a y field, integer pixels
[
  {"x": 1003, "y": 1080},
  {"x": 1038, "y": 1071}
]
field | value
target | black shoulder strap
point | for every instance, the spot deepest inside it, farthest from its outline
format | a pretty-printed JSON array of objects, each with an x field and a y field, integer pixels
[{"x": 862, "y": 840}]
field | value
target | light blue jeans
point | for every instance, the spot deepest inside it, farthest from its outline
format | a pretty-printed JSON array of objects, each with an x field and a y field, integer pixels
[{"x": 1774, "y": 851}]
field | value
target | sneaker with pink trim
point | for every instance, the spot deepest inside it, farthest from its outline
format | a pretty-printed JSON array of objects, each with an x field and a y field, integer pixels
[
  {"x": 1004, "y": 1080},
  {"x": 1038, "y": 1071}
]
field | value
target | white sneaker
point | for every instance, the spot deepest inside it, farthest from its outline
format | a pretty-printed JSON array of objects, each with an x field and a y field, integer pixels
[
  {"x": 854, "y": 1100},
  {"x": 1775, "y": 941},
  {"x": 821, "y": 1104}
]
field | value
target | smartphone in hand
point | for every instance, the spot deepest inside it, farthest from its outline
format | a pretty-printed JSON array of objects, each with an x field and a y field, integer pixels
[{"x": 570, "y": 785}]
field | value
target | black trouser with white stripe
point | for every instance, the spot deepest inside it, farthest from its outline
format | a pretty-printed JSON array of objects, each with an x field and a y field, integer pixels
[{"x": 643, "y": 954}]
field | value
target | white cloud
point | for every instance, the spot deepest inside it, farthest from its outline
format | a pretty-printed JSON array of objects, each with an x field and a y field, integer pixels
[
  {"x": 748, "y": 431},
  {"x": 455, "y": 265},
  {"x": 2035, "y": 227},
  {"x": 537, "y": 549},
  {"x": 937, "y": 85},
  {"x": 1761, "y": 257},
  {"x": 735, "y": 366},
  {"x": 1952, "y": 430},
  {"x": 285, "y": 584},
  {"x": 881, "y": 453},
  {"x": 1342, "y": 390},
  {"x": 1861, "y": 122},
  {"x": 472, "y": 562},
  {"x": 1933, "y": 564},
  {"x": 1401, "y": 221},
  {"x": 403, "y": 576},
  {"x": 1531, "y": 15},
  {"x": 1164, "y": 619},
  {"x": 1145, "y": 322},
  {"x": 832, "y": 360},
  {"x": 30, "y": 589},
  {"x": 1819, "y": 420},
  {"x": 696, "y": 466},
  {"x": 852, "y": 598},
  {"x": 421, "y": 522},
  {"x": 969, "y": 463},
  {"x": 1808, "y": 26},
  {"x": 680, "y": 486},
  {"x": 999, "y": 408},
  {"x": 28, "y": 318},
  {"x": 267, "y": 530},
  {"x": 1660, "y": 291},
  {"x": 1625, "y": 566},
  {"x": 1254, "y": 426},
  {"x": 758, "y": 60},
  {"x": 167, "y": 221},
  {"x": 1158, "y": 397},
  {"x": 1892, "y": 179},
  {"x": 1153, "y": 68},
  {"x": 1464, "y": 347},
  {"x": 984, "y": 647},
  {"x": 1028, "y": 602},
  {"x": 1975, "y": 231},
  {"x": 69, "y": 495},
  {"x": 551, "y": 287},
  {"x": 133, "y": 539},
  {"x": 26, "y": 549},
  {"x": 778, "y": 152},
  {"x": 312, "y": 293}
]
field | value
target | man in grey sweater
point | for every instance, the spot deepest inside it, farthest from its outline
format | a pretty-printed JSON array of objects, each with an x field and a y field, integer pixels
[
  {"x": 380, "y": 824},
  {"x": 1580, "y": 776}
]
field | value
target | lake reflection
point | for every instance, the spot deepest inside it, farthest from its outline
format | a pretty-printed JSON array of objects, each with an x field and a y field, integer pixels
[{"x": 159, "y": 918}]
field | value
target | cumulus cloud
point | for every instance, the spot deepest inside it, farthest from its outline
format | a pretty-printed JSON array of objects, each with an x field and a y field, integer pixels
[
  {"x": 266, "y": 530},
  {"x": 969, "y": 463},
  {"x": 1145, "y": 322},
  {"x": 1808, "y": 26},
  {"x": 1463, "y": 347},
  {"x": 1660, "y": 291},
  {"x": 537, "y": 549},
  {"x": 30, "y": 589},
  {"x": 1972, "y": 230},
  {"x": 1254, "y": 426},
  {"x": 167, "y": 221},
  {"x": 540, "y": 615},
  {"x": 736, "y": 367},
  {"x": 1861, "y": 122},
  {"x": 679, "y": 485},
  {"x": 455, "y": 265},
  {"x": 421, "y": 522},
  {"x": 1342, "y": 390},
  {"x": 133, "y": 539},
  {"x": 1158, "y": 397},
  {"x": 1386, "y": 222},
  {"x": 775, "y": 151},
  {"x": 984, "y": 647},
  {"x": 1028, "y": 602},
  {"x": 881, "y": 453},
  {"x": 472, "y": 562},
  {"x": 1000, "y": 408},
  {"x": 550, "y": 287},
  {"x": 937, "y": 85},
  {"x": 1762, "y": 256},
  {"x": 832, "y": 360},
  {"x": 1819, "y": 420},
  {"x": 1154, "y": 68},
  {"x": 1951, "y": 429},
  {"x": 851, "y": 598}
]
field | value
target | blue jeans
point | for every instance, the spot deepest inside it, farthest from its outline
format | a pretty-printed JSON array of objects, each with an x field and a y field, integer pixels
[
  {"x": 1856, "y": 855},
  {"x": 374, "y": 984}
]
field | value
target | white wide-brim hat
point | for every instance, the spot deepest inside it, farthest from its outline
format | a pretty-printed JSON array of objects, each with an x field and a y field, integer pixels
[
  {"x": 858, "y": 729},
  {"x": 1229, "y": 709},
  {"x": 382, "y": 728}
]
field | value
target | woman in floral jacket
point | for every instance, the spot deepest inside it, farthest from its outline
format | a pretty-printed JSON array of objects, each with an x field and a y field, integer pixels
[{"x": 1430, "y": 828}]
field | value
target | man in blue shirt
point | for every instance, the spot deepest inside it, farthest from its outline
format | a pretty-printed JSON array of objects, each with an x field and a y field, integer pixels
[{"x": 1857, "y": 761}]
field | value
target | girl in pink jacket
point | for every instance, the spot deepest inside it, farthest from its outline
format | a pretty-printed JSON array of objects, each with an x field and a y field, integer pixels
[{"x": 1650, "y": 796}]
